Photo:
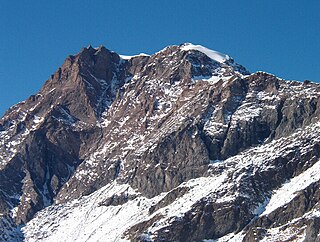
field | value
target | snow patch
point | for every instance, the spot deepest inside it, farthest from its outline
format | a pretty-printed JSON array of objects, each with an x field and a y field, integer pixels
[
  {"x": 214, "y": 55},
  {"x": 128, "y": 57},
  {"x": 288, "y": 191}
]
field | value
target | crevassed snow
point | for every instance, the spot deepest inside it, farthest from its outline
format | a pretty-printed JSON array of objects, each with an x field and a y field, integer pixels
[{"x": 214, "y": 55}]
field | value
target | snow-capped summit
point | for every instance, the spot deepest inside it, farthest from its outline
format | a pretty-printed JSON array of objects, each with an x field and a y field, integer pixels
[{"x": 214, "y": 55}]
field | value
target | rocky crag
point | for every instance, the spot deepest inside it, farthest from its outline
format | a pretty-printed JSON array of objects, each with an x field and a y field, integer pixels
[{"x": 182, "y": 145}]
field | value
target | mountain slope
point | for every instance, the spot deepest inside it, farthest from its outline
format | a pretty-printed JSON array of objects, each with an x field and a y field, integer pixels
[{"x": 182, "y": 145}]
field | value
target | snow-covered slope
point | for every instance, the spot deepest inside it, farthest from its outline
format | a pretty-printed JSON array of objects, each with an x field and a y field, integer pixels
[{"x": 89, "y": 219}]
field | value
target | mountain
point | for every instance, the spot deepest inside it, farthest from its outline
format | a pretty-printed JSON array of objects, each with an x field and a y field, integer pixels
[{"x": 182, "y": 145}]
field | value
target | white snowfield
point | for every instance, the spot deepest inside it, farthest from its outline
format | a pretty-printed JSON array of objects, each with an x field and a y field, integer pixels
[
  {"x": 128, "y": 57},
  {"x": 214, "y": 55},
  {"x": 85, "y": 219}
]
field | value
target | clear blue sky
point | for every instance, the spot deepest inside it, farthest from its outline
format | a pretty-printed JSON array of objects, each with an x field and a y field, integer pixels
[{"x": 277, "y": 36}]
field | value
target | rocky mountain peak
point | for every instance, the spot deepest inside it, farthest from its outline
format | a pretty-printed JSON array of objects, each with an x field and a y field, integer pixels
[{"x": 144, "y": 148}]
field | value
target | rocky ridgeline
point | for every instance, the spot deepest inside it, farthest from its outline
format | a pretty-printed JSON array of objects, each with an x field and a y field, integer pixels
[{"x": 185, "y": 144}]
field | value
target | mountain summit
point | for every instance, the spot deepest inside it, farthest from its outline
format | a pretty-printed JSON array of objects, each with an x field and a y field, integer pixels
[{"x": 181, "y": 145}]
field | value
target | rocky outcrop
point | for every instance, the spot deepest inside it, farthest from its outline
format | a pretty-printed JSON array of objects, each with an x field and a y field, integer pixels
[{"x": 55, "y": 129}]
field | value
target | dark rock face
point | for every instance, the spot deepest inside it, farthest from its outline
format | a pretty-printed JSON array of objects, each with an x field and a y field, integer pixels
[
  {"x": 155, "y": 123},
  {"x": 55, "y": 127},
  {"x": 116, "y": 200},
  {"x": 211, "y": 219}
]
